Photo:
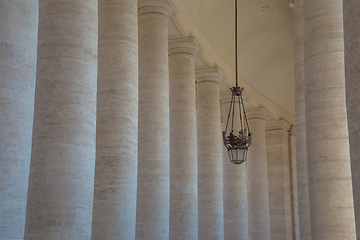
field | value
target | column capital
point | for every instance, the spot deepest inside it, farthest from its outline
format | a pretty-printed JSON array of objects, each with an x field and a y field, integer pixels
[
  {"x": 210, "y": 75},
  {"x": 187, "y": 45},
  {"x": 292, "y": 131},
  {"x": 257, "y": 113},
  {"x": 162, "y": 7},
  {"x": 291, "y": 3},
  {"x": 274, "y": 125}
]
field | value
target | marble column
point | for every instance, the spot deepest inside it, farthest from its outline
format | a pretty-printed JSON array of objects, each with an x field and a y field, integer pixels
[
  {"x": 183, "y": 149},
  {"x": 114, "y": 211},
  {"x": 330, "y": 185},
  {"x": 18, "y": 46},
  {"x": 294, "y": 196},
  {"x": 352, "y": 75},
  {"x": 277, "y": 151},
  {"x": 234, "y": 183},
  {"x": 300, "y": 123},
  {"x": 61, "y": 180},
  {"x": 210, "y": 177},
  {"x": 153, "y": 194},
  {"x": 257, "y": 177}
]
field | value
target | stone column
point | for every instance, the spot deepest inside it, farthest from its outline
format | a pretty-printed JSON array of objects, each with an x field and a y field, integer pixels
[
  {"x": 18, "y": 46},
  {"x": 257, "y": 177},
  {"x": 352, "y": 74},
  {"x": 210, "y": 187},
  {"x": 277, "y": 150},
  {"x": 61, "y": 180},
  {"x": 234, "y": 183},
  {"x": 330, "y": 187},
  {"x": 293, "y": 185},
  {"x": 183, "y": 150},
  {"x": 117, "y": 122},
  {"x": 300, "y": 123},
  {"x": 152, "y": 213}
]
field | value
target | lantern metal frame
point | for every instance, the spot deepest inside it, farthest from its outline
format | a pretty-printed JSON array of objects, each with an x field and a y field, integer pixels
[{"x": 237, "y": 145}]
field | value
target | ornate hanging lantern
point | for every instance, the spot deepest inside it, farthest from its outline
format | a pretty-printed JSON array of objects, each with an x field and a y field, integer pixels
[{"x": 237, "y": 144}]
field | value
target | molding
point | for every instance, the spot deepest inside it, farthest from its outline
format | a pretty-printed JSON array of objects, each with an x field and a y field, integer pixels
[
  {"x": 292, "y": 3},
  {"x": 292, "y": 131},
  {"x": 187, "y": 45},
  {"x": 276, "y": 125},
  {"x": 155, "y": 7},
  {"x": 257, "y": 113},
  {"x": 209, "y": 75}
]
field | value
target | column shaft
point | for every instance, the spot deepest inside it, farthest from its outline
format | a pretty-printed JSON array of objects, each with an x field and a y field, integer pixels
[
  {"x": 277, "y": 149},
  {"x": 211, "y": 220},
  {"x": 294, "y": 196},
  {"x": 300, "y": 123},
  {"x": 183, "y": 149},
  {"x": 117, "y": 122},
  {"x": 234, "y": 184},
  {"x": 257, "y": 178},
  {"x": 61, "y": 180},
  {"x": 330, "y": 187},
  {"x": 352, "y": 74},
  {"x": 18, "y": 46},
  {"x": 152, "y": 213}
]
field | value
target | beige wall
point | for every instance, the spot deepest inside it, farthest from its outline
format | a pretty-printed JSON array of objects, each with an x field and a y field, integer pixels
[{"x": 265, "y": 42}]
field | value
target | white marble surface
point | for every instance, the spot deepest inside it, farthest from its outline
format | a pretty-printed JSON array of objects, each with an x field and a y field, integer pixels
[
  {"x": 352, "y": 74},
  {"x": 183, "y": 149},
  {"x": 330, "y": 187},
  {"x": 211, "y": 219},
  {"x": 152, "y": 213},
  {"x": 18, "y": 43},
  {"x": 257, "y": 177},
  {"x": 300, "y": 123},
  {"x": 277, "y": 151},
  {"x": 114, "y": 212},
  {"x": 294, "y": 194},
  {"x": 61, "y": 180}
]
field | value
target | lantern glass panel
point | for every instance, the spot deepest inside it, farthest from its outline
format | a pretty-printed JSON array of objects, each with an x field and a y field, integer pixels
[
  {"x": 230, "y": 152},
  {"x": 237, "y": 155},
  {"x": 242, "y": 154}
]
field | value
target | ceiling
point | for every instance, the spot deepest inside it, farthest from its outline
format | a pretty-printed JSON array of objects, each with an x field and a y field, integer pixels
[{"x": 265, "y": 42}]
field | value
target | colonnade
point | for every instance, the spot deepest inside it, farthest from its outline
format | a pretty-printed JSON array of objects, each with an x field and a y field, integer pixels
[
  {"x": 121, "y": 135},
  {"x": 322, "y": 115},
  {"x": 330, "y": 189}
]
